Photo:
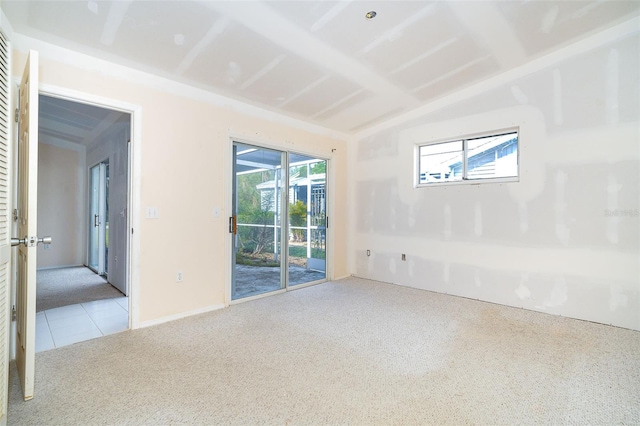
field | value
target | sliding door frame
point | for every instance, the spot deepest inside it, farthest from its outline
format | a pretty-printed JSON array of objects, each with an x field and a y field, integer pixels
[{"x": 230, "y": 206}]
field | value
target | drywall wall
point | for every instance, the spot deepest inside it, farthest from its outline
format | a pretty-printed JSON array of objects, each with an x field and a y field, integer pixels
[
  {"x": 58, "y": 198},
  {"x": 112, "y": 145},
  {"x": 564, "y": 239},
  {"x": 184, "y": 172}
]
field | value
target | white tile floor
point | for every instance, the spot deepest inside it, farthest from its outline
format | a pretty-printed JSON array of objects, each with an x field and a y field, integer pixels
[{"x": 75, "y": 323}]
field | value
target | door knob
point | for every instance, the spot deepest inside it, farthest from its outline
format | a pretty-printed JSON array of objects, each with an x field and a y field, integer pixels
[{"x": 31, "y": 241}]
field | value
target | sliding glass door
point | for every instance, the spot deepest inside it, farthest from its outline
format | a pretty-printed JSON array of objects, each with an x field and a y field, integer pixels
[
  {"x": 278, "y": 220},
  {"x": 307, "y": 219},
  {"x": 99, "y": 217}
]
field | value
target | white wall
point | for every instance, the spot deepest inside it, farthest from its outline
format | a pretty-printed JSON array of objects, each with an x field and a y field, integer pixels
[
  {"x": 547, "y": 243},
  {"x": 58, "y": 200}
]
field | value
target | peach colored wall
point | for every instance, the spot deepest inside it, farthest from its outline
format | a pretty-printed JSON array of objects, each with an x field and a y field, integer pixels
[
  {"x": 185, "y": 173},
  {"x": 57, "y": 206}
]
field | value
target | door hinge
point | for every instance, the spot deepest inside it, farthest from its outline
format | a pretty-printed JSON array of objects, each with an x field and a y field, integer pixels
[
  {"x": 15, "y": 215},
  {"x": 17, "y": 115},
  {"x": 14, "y": 315}
]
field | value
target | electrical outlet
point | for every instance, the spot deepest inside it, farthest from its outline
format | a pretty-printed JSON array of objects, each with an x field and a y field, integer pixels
[
  {"x": 179, "y": 277},
  {"x": 368, "y": 252},
  {"x": 404, "y": 256}
]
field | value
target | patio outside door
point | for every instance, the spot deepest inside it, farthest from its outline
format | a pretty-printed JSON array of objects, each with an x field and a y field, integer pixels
[{"x": 278, "y": 218}]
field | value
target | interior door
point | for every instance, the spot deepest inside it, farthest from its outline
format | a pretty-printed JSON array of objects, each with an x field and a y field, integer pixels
[
  {"x": 27, "y": 225},
  {"x": 5, "y": 229}
]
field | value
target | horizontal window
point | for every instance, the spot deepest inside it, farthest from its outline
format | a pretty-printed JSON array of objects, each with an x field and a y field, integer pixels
[{"x": 479, "y": 158}]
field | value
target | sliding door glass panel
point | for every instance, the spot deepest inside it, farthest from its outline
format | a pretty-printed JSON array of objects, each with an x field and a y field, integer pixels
[
  {"x": 307, "y": 219},
  {"x": 106, "y": 219},
  {"x": 258, "y": 200},
  {"x": 98, "y": 217},
  {"x": 94, "y": 217}
]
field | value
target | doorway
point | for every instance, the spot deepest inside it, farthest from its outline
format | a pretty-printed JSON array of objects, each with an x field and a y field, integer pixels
[
  {"x": 278, "y": 220},
  {"x": 83, "y": 196}
]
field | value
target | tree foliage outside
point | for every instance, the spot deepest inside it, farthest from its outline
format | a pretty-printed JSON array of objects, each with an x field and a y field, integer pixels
[
  {"x": 255, "y": 209},
  {"x": 298, "y": 217},
  {"x": 319, "y": 168}
]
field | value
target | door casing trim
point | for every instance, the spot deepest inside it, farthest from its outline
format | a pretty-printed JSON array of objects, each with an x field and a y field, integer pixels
[{"x": 134, "y": 190}]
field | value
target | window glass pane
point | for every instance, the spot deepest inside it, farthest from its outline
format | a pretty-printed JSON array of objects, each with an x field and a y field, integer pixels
[
  {"x": 441, "y": 162},
  {"x": 492, "y": 156}
]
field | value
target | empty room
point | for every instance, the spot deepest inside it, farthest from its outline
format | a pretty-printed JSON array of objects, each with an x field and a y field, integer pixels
[{"x": 320, "y": 212}]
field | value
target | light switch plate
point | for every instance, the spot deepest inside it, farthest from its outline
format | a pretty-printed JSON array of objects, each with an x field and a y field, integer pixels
[{"x": 153, "y": 213}]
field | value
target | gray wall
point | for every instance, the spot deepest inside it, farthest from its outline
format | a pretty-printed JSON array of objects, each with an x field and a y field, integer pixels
[{"x": 564, "y": 239}]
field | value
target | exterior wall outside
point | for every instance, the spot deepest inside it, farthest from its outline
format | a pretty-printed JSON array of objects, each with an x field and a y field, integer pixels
[{"x": 564, "y": 239}]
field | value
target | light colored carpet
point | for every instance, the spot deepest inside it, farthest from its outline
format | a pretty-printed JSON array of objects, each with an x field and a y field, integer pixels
[
  {"x": 351, "y": 352},
  {"x": 70, "y": 286}
]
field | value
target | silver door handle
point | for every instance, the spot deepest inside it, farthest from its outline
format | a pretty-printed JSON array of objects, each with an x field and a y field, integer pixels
[{"x": 31, "y": 241}]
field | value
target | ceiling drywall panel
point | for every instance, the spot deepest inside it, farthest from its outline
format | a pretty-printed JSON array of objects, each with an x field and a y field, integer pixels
[
  {"x": 454, "y": 56},
  {"x": 285, "y": 80},
  {"x": 461, "y": 76},
  {"x": 541, "y": 25},
  {"x": 432, "y": 33},
  {"x": 160, "y": 36},
  {"x": 329, "y": 92},
  {"x": 344, "y": 25},
  {"x": 320, "y": 61},
  {"x": 232, "y": 58}
]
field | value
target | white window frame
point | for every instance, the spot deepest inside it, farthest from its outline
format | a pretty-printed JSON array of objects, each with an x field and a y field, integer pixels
[{"x": 464, "y": 180}]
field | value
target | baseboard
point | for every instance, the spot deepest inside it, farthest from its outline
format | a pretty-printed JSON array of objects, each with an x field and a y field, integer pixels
[
  {"x": 174, "y": 317},
  {"x": 46, "y": 268},
  {"x": 342, "y": 277}
]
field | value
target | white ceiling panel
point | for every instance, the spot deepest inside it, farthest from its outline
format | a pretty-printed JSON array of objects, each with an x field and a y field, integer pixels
[
  {"x": 160, "y": 36},
  {"x": 541, "y": 25},
  {"x": 319, "y": 61},
  {"x": 322, "y": 97},
  {"x": 454, "y": 55}
]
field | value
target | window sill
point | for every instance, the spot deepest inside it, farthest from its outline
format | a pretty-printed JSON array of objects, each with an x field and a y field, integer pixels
[{"x": 468, "y": 182}]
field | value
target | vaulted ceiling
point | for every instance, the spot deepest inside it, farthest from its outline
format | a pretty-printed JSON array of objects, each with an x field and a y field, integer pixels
[{"x": 320, "y": 61}]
